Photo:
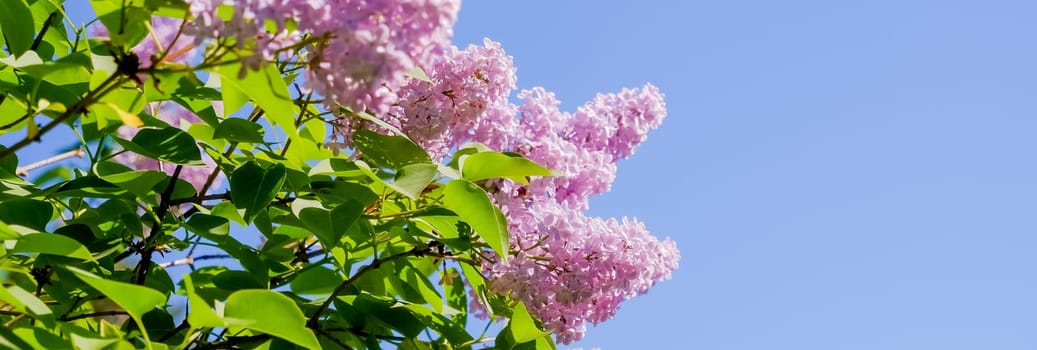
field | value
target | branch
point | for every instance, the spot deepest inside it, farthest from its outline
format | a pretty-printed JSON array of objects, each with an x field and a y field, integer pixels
[
  {"x": 234, "y": 342},
  {"x": 39, "y": 37},
  {"x": 156, "y": 229},
  {"x": 197, "y": 199},
  {"x": 76, "y": 109},
  {"x": 96, "y": 314}
]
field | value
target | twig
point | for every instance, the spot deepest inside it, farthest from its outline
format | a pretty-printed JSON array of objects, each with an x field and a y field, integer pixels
[
  {"x": 24, "y": 171},
  {"x": 39, "y": 37},
  {"x": 96, "y": 314},
  {"x": 156, "y": 229},
  {"x": 234, "y": 342},
  {"x": 78, "y": 108},
  {"x": 15, "y": 320},
  {"x": 190, "y": 260},
  {"x": 197, "y": 199}
]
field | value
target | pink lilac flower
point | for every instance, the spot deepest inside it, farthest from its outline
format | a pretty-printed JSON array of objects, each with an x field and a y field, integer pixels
[
  {"x": 572, "y": 269},
  {"x": 361, "y": 49},
  {"x": 464, "y": 86},
  {"x": 175, "y": 116},
  {"x": 617, "y": 123}
]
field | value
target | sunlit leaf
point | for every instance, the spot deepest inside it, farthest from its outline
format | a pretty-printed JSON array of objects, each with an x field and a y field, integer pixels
[
  {"x": 17, "y": 25},
  {"x": 253, "y": 187},
  {"x": 473, "y": 205},
  {"x": 53, "y": 244},
  {"x": 488, "y": 165},
  {"x": 271, "y": 313},
  {"x": 166, "y": 144}
]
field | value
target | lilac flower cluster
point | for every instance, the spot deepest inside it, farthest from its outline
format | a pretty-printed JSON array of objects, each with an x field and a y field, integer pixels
[
  {"x": 360, "y": 50},
  {"x": 569, "y": 269},
  {"x": 463, "y": 85}
]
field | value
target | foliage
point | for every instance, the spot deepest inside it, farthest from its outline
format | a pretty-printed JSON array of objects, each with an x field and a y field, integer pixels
[{"x": 279, "y": 174}]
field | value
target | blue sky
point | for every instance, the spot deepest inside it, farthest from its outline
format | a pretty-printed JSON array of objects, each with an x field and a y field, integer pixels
[{"x": 837, "y": 174}]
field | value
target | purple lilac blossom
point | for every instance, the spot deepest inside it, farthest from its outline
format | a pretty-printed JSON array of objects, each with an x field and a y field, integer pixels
[
  {"x": 464, "y": 85},
  {"x": 572, "y": 269},
  {"x": 362, "y": 48}
]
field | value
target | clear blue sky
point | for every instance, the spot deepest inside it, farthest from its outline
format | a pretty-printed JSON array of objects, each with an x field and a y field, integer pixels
[{"x": 837, "y": 174}]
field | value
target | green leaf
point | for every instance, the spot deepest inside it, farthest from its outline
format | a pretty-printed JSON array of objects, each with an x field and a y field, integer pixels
[
  {"x": 139, "y": 182},
  {"x": 227, "y": 210},
  {"x": 136, "y": 300},
  {"x": 23, "y": 301},
  {"x": 473, "y": 205},
  {"x": 523, "y": 328},
  {"x": 28, "y": 59},
  {"x": 53, "y": 244},
  {"x": 253, "y": 187},
  {"x": 338, "y": 167},
  {"x": 239, "y": 130},
  {"x": 488, "y": 165},
  {"x": 267, "y": 90},
  {"x": 167, "y": 144},
  {"x": 200, "y": 313},
  {"x": 209, "y": 226},
  {"x": 392, "y": 152},
  {"x": 318, "y": 280},
  {"x": 17, "y": 25},
  {"x": 412, "y": 179},
  {"x": 30, "y": 213},
  {"x": 271, "y": 313},
  {"x": 127, "y": 25},
  {"x": 233, "y": 98},
  {"x": 418, "y": 287},
  {"x": 392, "y": 313},
  {"x": 328, "y": 225},
  {"x": 40, "y": 338},
  {"x": 337, "y": 192},
  {"x": 10, "y": 340},
  {"x": 450, "y": 229},
  {"x": 456, "y": 296}
]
